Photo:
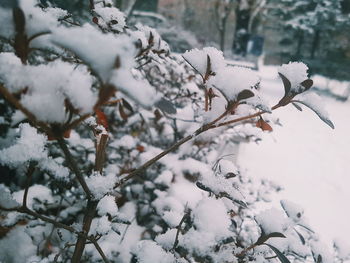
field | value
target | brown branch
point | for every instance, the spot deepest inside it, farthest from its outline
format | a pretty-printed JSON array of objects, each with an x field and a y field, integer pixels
[
  {"x": 112, "y": 102},
  {"x": 26, "y": 210},
  {"x": 92, "y": 205},
  {"x": 81, "y": 241},
  {"x": 245, "y": 117},
  {"x": 76, "y": 122},
  {"x": 205, "y": 127},
  {"x": 100, "y": 152},
  {"x": 74, "y": 167}
]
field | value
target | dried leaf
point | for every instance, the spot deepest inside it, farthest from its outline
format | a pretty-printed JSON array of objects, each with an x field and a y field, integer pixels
[
  {"x": 117, "y": 62},
  {"x": 307, "y": 84},
  {"x": 245, "y": 94},
  {"x": 286, "y": 83},
  {"x": 263, "y": 238},
  {"x": 279, "y": 254},
  {"x": 151, "y": 39},
  {"x": 208, "y": 69},
  {"x": 157, "y": 115},
  {"x": 302, "y": 239},
  {"x": 106, "y": 92},
  {"x": 263, "y": 125},
  {"x": 101, "y": 118},
  {"x": 166, "y": 106},
  {"x": 297, "y": 106},
  {"x": 127, "y": 105},
  {"x": 140, "y": 148},
  {"x": 95, "y": 20}
]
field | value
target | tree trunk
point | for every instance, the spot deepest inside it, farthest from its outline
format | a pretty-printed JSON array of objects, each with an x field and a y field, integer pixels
[
  {"x": 222, "y": 32},
  {"x": 241, "y": 35},
  {"x": 119, "y": 4},
  {"x": 300, "y": 43},
  {"x": 315, "y": 44}
]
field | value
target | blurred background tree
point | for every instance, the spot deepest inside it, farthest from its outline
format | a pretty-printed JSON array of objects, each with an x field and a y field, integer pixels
[{"x": 312, "y": 31}]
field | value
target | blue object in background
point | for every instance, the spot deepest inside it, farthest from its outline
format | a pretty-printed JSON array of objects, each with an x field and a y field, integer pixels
[{"x": 255, "y": 45}]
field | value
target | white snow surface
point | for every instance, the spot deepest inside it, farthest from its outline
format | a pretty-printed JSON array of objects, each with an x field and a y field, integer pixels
[
  {"x": 48, "y": 87},
  {"x": 296, "y": 72},
  {"x": 232, "y": 80},
  {"x": 100, "y": 185},
  {"x": 308, "y": 159},
  {"x": 112, "y": 17},
  {"x": 148, "y": 251},
  {"x": 199, "y": 58}
]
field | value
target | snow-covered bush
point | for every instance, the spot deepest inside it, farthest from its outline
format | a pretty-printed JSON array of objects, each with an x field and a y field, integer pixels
[{"x": 114, "y": 149}]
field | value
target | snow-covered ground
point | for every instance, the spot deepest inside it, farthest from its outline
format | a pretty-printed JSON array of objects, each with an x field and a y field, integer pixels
[{"x": 308, "y": 159}]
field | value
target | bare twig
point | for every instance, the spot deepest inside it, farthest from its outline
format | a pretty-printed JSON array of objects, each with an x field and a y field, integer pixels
[
  {"x": 26, "y": 210},
  {"x": 30, "y": 172},
  {"x": 74, "y": 167},
  {"x": 76, "y": 122},
  {"x": 100, "y": 251},
  {"x": 212, "y": 125},
  {"x": 38, "y": 35},
  {"x": 187, "y": 213},
  {"x": 126, "y": 230}
]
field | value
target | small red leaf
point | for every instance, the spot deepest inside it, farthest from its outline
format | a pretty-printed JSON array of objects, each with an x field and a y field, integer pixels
[
  {"x": 66, "y": 134},
  {"x": 95, "y": 20},
  {"x": 101, "y": 118},
  {"x": 140, "y": 148},
  {"x": 263, "y": 125}
]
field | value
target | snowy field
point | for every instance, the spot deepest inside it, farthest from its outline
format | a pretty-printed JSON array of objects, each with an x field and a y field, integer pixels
[{"x": 308, "y": 159}]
